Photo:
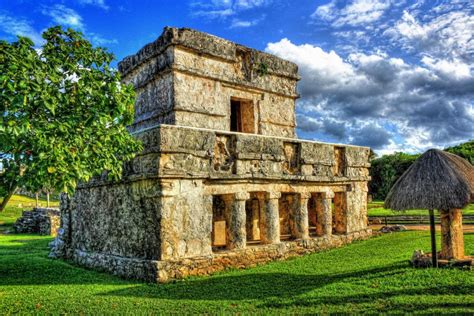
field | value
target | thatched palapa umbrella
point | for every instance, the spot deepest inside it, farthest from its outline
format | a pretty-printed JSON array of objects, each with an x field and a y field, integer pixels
[{"x": 442, "y": 181}]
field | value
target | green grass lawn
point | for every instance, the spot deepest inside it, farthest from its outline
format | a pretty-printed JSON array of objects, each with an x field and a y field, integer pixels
[
  {"x": 366, "y": 277},
  {"x": 375, "y": 208},
  {"x": 16, "y": 205}
]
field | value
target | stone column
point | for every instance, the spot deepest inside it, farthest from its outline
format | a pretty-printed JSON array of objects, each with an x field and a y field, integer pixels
[
  {"x": 300, "y": 217},
  {"x": 270, "y": 230},
  {"x": 327, "y": 213},
  {"x": 452, "y": 239},
  {"x": 237, "y": 238}
]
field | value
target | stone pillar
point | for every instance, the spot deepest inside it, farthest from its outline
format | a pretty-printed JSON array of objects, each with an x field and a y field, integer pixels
[
  {"x": 270, "y": 229},
  {"x": 237, "y": 237},
  {"x": 300, "y": 217},
  {"x": 452, "y": 239},
  {"x": 327, "y": 213},
  {"x": 61, "y": 246}
]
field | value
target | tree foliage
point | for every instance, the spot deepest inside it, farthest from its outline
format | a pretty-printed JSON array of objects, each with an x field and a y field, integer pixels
[
  {"x": 386, "y": 170},
  {"x": 465, "y": 150},
  {"x": 64, "y": 113}
]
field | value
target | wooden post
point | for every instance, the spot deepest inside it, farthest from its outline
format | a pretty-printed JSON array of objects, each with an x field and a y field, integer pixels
[
  {"x": 434, "y": 256},
  {"x": 37, "y": 199},
  {"x": 47, "y": 199}
]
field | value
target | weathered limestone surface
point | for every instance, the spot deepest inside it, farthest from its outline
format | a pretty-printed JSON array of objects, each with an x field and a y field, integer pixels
[
  {"x": 182, "y": 151},
  {"x": 186, "y": 219},
  {"x": 119, "y": 219},
  {"x": 165, "y": 270},
  {"x": 201, "y": 198},
  {"x": 180, "y": 80}
]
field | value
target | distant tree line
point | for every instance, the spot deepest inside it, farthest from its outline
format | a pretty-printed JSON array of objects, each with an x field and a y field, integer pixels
[{"x": 386, "y": 170}]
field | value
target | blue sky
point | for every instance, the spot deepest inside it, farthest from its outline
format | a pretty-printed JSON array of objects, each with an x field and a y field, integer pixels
[{"x": 393, "y": 75}]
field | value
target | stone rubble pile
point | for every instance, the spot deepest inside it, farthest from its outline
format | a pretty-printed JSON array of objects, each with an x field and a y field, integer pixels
[
  {"x": 43, "y": 221},
  {"x": 393, "y": 228}
]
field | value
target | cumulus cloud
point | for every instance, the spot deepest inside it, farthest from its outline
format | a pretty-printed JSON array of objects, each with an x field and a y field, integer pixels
[
  {"x": 445, "y": 35},
  {"x": 356, "y": 12},
  {"x": 371, "y": 135},
  {"x": 17, "y": 26},
  {"x": 373, "y": 99}
]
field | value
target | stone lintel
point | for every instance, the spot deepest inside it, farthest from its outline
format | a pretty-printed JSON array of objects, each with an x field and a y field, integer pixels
[
  {"x": 328, "y": 195},
  {"x": 305, "y": 195},
  {"x": 272, "y": 195},
  {"x": 241, "y": 196}
]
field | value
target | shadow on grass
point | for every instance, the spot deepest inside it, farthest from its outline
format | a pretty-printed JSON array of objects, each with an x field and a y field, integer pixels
[
  {"x": 431, "y": 294},
  {"x": 24, "y": 261},
  {"x": 286, "y": 291},
  {"x": 249, "y": 285}
]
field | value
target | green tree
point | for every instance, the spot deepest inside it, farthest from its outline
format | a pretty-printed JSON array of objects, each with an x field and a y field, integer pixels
[
  {"x": 64, "y": 114},
  {"x": 464, "y": 150},
  {"x": 386, "y": 170}
]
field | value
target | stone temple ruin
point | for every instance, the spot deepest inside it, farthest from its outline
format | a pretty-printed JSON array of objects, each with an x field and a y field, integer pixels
[{"x": 222, "y": 180}]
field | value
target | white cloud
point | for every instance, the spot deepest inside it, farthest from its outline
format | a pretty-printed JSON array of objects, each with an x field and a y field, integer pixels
[
  {"x": 99, "y": 40},
  {"x": 225, "y": 8},
  {"x": 454, "y": 69},
  {"x": 67, "y": 17},
  {"x": 372, "y": 99},
  {"x": 446, "y": 35},
  {"x": 357, "y": 12},
  {"x": 64, "y": 16},
  {"x": 18, "y": 26},
  {"x": 250, "y": 4},
  {"x": 237, "y": 23},
  {"x": 97, "y": 3}
]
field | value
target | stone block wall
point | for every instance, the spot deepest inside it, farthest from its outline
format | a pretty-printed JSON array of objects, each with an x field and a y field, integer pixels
[
  {"x": 119, "y": 219},
  {"x": 43, "y": 221},
  {"x": 181, "y": 82},
  {"x": 163, "y": 210},
  {"x": 174, "y": 151}
]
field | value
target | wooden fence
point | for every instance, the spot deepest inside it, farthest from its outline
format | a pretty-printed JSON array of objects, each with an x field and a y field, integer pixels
[{"x": 412, "y": 219}]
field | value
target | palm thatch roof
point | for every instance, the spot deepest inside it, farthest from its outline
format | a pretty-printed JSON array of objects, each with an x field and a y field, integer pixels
[{"x": 436, "y": 180}]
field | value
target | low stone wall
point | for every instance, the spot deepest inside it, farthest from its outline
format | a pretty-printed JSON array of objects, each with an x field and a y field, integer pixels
[
  {"x": 163, "y": 271},
  {"x": 43, "y": 221}
]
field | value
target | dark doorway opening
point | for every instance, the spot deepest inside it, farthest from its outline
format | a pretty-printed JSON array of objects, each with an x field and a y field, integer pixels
[{"x": 242, "y": 116}]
